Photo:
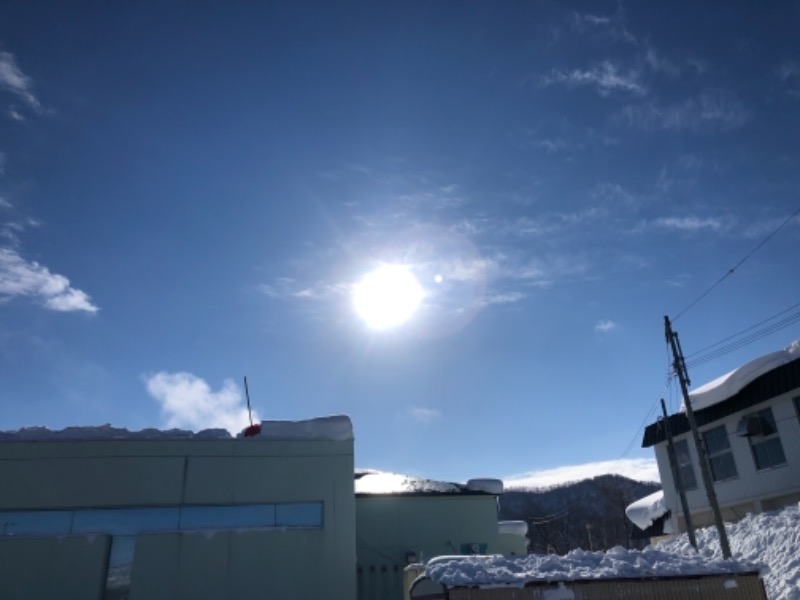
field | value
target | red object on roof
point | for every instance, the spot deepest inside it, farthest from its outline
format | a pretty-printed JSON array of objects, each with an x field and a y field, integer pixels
[{"x": 252, "y": 430}]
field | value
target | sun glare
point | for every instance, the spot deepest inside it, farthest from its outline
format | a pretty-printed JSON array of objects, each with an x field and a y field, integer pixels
[{"x": 387, "y": 296}]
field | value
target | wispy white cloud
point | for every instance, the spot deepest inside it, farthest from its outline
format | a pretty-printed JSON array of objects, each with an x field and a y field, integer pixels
[
  {"x": 692, "y": 224},
  {"x": 640, "y": 469},
  {"x": 424, "y": 415},
  {"x": 608, "y": 26},
  {"x": 679, "y": 281},
  {"x": 551, "y": 146},
  {"x": 287, "y": 288},
  {"x": 187, "y": 401},
  {"x": 502, "y": 298},
  {"x": 605, "y": 78},
  {"x": 789, "y": 74},
  {"x": 12, "y": 79},
  {"x": 712, "y": 110},
  {"x": 22, "y": 278},
  {"x": 605, "y": 326},
  {"x": 658, "y": 64},
  {"x": 789, "y": 70},
  {"x": 613, "y": 193}
]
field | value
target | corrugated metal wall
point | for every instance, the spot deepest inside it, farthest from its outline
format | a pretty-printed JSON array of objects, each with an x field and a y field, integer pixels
[
  {"x": 747, "y": 586},
  {"x": 379, "y": 582}
]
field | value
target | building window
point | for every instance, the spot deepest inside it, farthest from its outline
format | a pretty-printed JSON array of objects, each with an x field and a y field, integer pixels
[
  {"x": 132, "y": 521},
  {"x": 765, "y": 443},
  {"x": 720, "y": 457},
  {"x": 686, "y": 479}
]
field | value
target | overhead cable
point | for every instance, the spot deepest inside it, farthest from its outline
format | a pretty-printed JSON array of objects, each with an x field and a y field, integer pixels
[{"x": 737, "y": 265}]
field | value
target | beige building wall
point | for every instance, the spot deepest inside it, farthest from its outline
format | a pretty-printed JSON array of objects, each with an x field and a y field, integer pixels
[{"x": 290, "y": 563}]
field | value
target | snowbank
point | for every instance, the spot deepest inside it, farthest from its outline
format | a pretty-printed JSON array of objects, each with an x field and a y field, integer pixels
[
  {"x": 770, "y": 538},
  {"x": 766, "y": 542},
  {"x": 731, "y": 383}
]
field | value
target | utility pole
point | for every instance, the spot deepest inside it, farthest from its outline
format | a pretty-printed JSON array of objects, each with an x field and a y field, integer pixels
[
  {"x": 677, "y": 479},
  {"x": 679, "y": 365}
]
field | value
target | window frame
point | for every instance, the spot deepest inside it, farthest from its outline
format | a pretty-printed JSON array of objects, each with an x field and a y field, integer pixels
[
  {"x": 683, "y": 464},
  {"x": 763, "y": 446},
  {"x": 721, "y": 457}
]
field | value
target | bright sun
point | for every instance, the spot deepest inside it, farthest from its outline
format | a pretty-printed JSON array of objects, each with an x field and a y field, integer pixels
[{"x": 387, "y": 296}]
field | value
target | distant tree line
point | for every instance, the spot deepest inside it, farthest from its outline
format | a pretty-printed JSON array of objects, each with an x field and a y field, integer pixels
[{"x": 588, "y": 514}]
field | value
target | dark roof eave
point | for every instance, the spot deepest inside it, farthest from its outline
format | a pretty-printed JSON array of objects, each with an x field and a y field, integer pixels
[{"x": 769, "y": 385}]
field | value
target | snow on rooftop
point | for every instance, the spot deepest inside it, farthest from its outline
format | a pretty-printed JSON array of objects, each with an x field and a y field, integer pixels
[
  {"x": 731, "y": 383},
  {"x": 616, "y": 563},
  {"x": 379, "y": 482},
  {"x": 336, "y": 428},
  {"x": 646, "y": 511},
  {"x": 765, "y": 542}
]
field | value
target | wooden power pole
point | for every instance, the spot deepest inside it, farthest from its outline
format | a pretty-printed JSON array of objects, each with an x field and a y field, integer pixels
[
  {"x": 680, "y": 370},
  {"x": 676, "y": 477}
]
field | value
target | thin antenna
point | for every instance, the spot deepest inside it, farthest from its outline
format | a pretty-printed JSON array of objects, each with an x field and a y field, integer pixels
[
  {"x": 247, "y": 394},
  {"x": 252, "y": 430}
]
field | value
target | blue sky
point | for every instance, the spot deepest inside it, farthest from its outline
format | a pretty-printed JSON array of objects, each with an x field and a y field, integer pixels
[{"x": 190, "y": 192}]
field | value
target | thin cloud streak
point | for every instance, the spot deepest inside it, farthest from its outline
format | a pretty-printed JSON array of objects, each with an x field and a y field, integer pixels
[
  {"x": 711, "y": 110},
  {"x": 15, "y": 81},
  {"x": 424, "y": 415},
  {"x": 691, "y": 223},
  {"x": 639, "y": 469},
  {"x": 605, "y": 78}
]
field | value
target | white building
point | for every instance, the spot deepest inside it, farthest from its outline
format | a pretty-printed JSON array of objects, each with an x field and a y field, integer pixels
[{"x": 749, "y": 420}]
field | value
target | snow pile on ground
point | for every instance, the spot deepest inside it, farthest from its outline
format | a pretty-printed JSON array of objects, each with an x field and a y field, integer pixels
[
  {"x": 766, "y": 542},
  {"x": 772, "y": 539}
]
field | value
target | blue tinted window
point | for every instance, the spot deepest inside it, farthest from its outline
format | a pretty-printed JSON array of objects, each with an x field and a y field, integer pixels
[
  {"x": 38, "y": 522},
  {"x": 125, "y": 521},
  {"x": 227, "y": 517},
  {"x": 307, "y": 514},
  {"x": 132, "y": 521}
]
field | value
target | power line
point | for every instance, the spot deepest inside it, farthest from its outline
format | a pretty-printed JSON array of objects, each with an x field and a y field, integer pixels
[
  {"x": 737, "y": 265},
  {"x": 755, "y": 336},
  {"x": 730, "y": 337}
]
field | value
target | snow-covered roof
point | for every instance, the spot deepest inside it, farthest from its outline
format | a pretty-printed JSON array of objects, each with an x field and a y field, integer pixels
[
  {"x": 646, "y": 511},
  {"x": 370, "y": 482},
  {"x": 731, "y": 383},
  {"x": 336, "y": 428},
  {"x": 616, "y": 563}
]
